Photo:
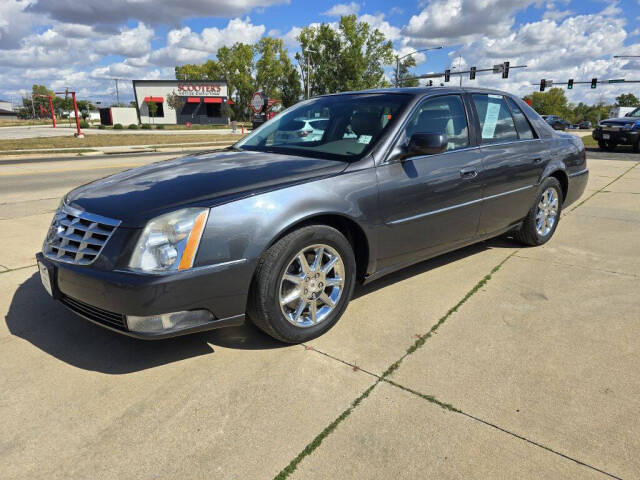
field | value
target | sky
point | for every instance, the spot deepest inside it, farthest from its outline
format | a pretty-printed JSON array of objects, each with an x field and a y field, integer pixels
[{"x": 84, "y": 44}]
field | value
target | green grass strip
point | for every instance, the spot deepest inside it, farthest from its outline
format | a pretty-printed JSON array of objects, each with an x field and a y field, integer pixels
[
  {"x": 423, "y": 338},
  {"x": 316, "y": 442}
]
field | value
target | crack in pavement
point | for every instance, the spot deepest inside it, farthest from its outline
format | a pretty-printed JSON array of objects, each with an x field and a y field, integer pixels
[
  {"x": 317, "y": 441},
  {"x": 602, "y": 189},
  {"x": 17, "y": 268}
]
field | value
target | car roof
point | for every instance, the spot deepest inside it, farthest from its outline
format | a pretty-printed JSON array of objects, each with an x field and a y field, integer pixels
[{"x": 424, "y": 90}]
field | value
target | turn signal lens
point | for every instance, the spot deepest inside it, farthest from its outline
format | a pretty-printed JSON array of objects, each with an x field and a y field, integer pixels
[{"x": 193, "y": 242}]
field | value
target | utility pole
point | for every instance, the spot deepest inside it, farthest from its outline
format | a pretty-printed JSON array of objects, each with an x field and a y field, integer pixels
[
  {"x": 398, "y": 83},
  {"x": 117, "y": 94}
]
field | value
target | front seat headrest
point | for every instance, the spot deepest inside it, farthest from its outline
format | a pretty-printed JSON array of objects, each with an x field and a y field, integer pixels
[{"x": 366, "y": 124}]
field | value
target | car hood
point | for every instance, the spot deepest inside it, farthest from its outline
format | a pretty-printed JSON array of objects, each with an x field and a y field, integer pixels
[
  {"x": 137, "y": 195},
  {"x": 620, "y": 121}
]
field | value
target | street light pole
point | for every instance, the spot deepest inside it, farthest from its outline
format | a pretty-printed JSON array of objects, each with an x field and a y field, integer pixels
[
  {"x": 308, "y": 57},
  {"x": 408, "y": 54}
]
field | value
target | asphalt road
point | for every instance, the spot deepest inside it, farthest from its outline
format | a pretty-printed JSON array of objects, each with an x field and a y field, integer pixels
[
  {"x": 496, "y": 361},
  {"x": 62, "y": 130}
]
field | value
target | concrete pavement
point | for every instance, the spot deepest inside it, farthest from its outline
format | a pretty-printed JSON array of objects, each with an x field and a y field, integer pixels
[{"x": 496, "y": 361}]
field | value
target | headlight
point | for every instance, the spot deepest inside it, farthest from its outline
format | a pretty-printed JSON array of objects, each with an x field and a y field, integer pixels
[{"x": 170, "y": 242}]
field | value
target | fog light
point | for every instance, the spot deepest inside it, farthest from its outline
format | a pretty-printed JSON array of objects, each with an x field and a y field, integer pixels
[{"x": 168, "y": 321}]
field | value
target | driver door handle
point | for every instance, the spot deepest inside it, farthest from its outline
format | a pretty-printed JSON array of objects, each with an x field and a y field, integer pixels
[{"x": 468, "y": 173}]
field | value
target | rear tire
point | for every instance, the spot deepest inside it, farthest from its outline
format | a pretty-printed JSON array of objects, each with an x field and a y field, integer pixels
[
  {"x": 542, "y": 220},
  {"x": 636, "y": 146},
  {"x": 292, "y": 302}
]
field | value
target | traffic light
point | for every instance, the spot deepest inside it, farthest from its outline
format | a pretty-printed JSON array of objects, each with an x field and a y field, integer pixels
[
  {"x": 447, "y": 75},
  {"x": 505, "y": 70},
  {"x": 543, "y": 84},
  {"x": 570, "y": 84},
  {"x": 472, "y": 74},
  {"x": 594, "y": 82}
]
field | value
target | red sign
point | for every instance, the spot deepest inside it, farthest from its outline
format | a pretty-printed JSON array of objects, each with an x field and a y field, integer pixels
[
  {"x": 199, "y": 89},
  {"x": 257, "y": 102}
]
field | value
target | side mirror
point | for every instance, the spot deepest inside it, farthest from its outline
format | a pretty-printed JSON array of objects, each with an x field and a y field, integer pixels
[{"x": 426, "y": 144}]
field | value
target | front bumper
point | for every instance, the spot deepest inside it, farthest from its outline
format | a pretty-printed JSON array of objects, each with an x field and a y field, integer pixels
[
  {"x": 618, "y": 136},
  {"x": 107, "y": 297}
]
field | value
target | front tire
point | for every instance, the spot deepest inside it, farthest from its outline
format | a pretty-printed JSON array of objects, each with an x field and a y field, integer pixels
[
  {"x": 542, "y": 220},
  {"x": 606, "y": 146},
  {"x": 303, "y": 284}
]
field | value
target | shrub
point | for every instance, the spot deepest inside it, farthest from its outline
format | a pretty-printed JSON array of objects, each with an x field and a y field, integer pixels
[
  {"x": 118, "y": 126},
  {"x": 101, "y": 127},
  {"x": 133, "y": 126},
  {"x": 84, "y": 124},
  {"x": 159, "y": 127},
  {"x": 145, "y": 126}
]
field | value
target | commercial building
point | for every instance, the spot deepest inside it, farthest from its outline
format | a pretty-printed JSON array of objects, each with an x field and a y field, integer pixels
[
  {"x": 200, "y": 102},
  {"x": 6, "y": 105},
  {"x": 8, "y": 114}
]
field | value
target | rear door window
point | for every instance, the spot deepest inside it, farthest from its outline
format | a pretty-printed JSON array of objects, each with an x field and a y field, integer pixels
[
  {"x": 496, "y": 122},
  {"x": 522, "y": 124}
]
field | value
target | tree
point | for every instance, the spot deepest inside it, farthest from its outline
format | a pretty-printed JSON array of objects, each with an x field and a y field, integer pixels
[
  {"x": 627, "y": 100},
  {"x": 350, "y": 57},
  {"x": 404, "y": 77},
  {"x": 153, "y": 109},
  {"x": 175, "y": 101},
  {"x": 551, "y": 102}
]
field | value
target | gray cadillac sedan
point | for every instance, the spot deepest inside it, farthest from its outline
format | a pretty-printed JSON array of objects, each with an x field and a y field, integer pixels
[{"x": 279, "y": 227}]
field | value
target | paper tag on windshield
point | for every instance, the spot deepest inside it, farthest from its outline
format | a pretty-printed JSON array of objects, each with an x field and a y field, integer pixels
[{"x": 364, "y": 138}]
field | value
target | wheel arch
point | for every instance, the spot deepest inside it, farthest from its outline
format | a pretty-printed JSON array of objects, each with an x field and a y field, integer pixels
[
  {"x": 350, "y": 228},
  {"x": 563, "y": 178}
]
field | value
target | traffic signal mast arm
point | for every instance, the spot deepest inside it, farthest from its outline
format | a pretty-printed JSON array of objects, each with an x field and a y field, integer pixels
[
  {"x": 591, "y": 82},
  {"x": 462, "y": 72}
]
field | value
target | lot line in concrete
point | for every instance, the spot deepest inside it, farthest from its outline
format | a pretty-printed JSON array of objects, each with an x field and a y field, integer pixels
[
  {"x": 317, "y": 441},
  {"x": 603, "y": 188}
]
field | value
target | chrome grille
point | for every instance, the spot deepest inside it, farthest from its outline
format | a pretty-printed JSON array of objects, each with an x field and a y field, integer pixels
[{"x": 77, "y": 237}]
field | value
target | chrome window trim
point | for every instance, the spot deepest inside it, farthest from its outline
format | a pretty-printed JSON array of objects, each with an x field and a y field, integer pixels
[{"x": 465, "y": 204}]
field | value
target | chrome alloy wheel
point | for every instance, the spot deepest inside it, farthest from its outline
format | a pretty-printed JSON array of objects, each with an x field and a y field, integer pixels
[
  {"x": 547, "y": 213},
  {"x": 311, "y": 285}
]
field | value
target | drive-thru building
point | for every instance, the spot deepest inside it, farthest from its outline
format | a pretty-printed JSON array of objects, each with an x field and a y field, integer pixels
[{"x": 200, "y": 102}]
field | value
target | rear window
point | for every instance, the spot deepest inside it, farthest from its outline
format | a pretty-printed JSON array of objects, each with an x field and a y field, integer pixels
[{"x": 522, "y": 124}]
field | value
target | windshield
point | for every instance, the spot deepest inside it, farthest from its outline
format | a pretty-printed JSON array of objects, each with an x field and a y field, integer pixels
[
  {"x": 341, "y": 127},
  {"x": 635, "y": 113}
]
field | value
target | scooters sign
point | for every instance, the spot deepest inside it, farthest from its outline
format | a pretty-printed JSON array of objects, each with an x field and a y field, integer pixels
[{"x": 257, "y": 102}]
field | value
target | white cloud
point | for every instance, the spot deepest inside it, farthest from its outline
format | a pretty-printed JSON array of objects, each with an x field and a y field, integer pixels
[
  {"x": 133, "y": 42},
  {"x": 186, "y": 46},
  {"x": 341, "y": 9},
  {"x": 556, "y": 50},
  {"x": 459, "y": 21},
  {"x": 92, "y": 12},
  {"x": 15, "y": 24}
]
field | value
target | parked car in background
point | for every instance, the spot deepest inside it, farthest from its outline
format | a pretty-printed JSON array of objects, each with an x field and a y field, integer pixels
[
  {"x": 302, "y": 130},
  {"x": 619, "y": 131},
  {"x": 585, "y": 125},
  {"x": 281, "y": 233},
  {"x": 556, "y": 122}
]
